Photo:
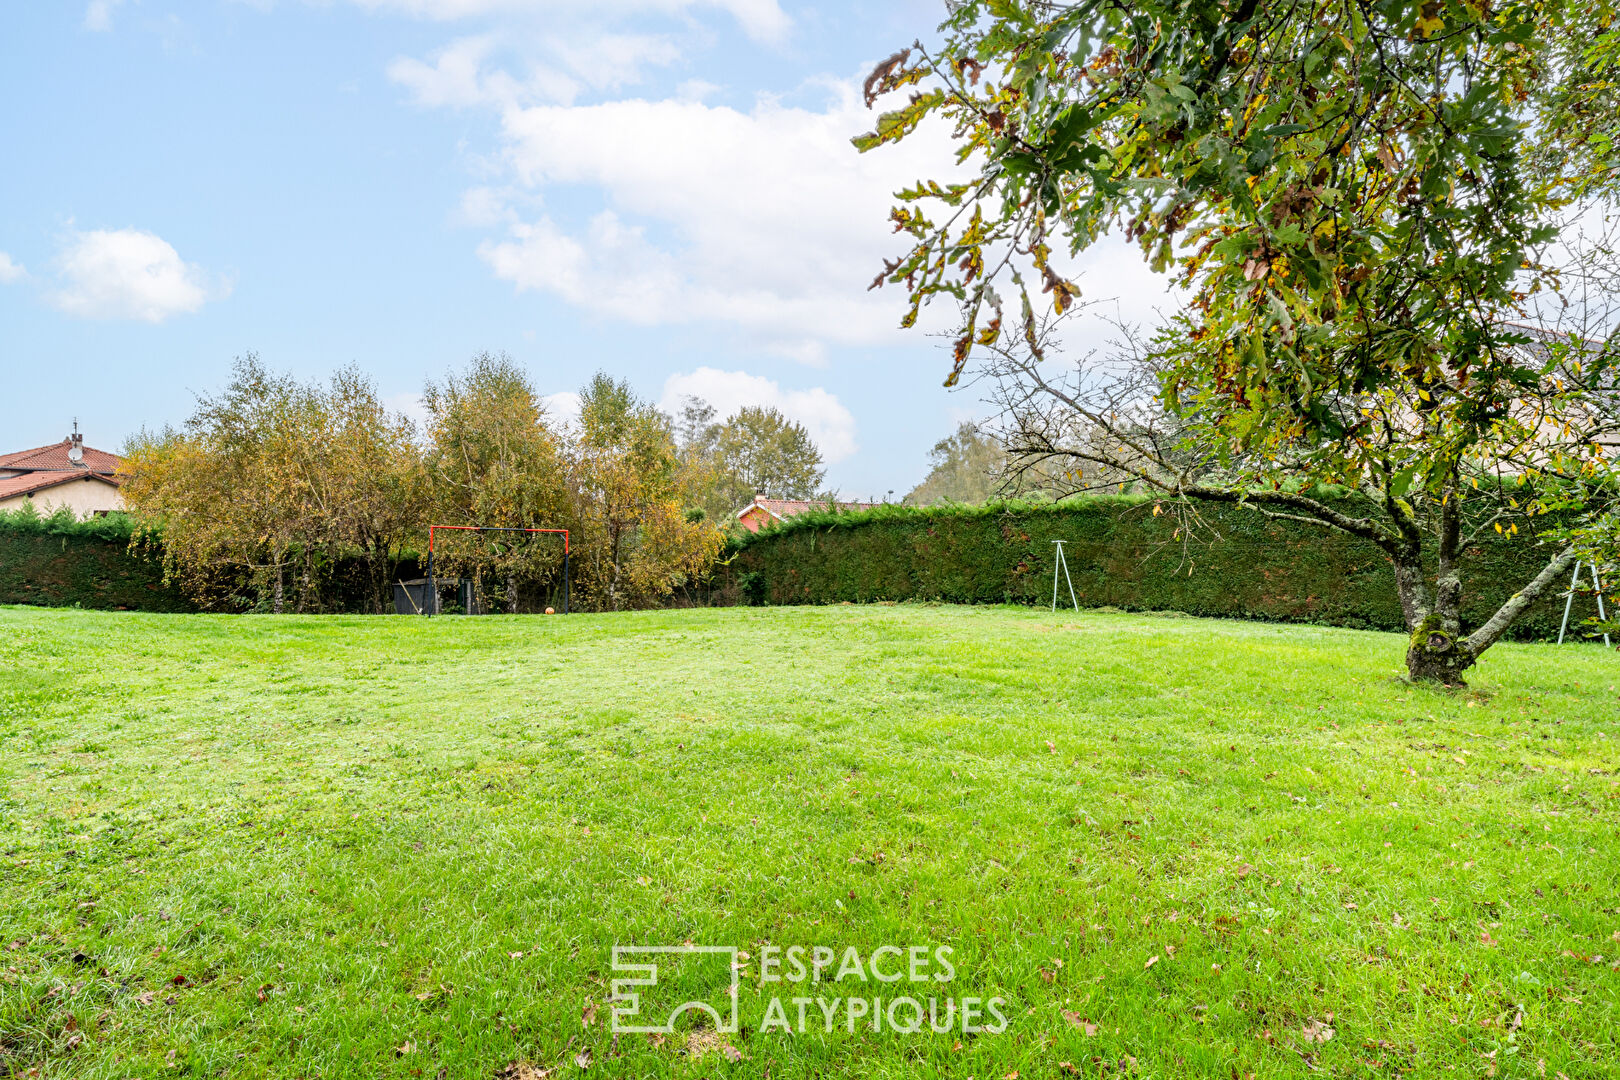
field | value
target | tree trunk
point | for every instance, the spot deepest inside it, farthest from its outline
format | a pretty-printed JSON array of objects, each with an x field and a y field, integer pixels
[
  {"x": 1410, "y": 587},
  {"x": 279, "y": 589},
  {"x": 1435, "y": 654},
  {"x": 1438, "y": 652}
]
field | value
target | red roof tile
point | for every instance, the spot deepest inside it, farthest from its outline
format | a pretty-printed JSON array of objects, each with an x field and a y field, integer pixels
[
  {"x": 55, "y": 457},
  {"x": 782, "y": 509},
  {"x": 28, "y": 483}
]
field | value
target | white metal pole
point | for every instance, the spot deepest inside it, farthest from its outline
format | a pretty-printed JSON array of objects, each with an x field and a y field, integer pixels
[
  {"x": 1569, "y": 600},
  {"x": 1057, "y": 560},
  {"x": 1070, "y": 580},
  {"x": 1597, "y": 587},
  {"x": 1060, "y": 562}
]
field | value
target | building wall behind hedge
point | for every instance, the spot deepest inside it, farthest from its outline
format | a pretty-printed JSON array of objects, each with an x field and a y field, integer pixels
[{"x": 1120, "y": 555}]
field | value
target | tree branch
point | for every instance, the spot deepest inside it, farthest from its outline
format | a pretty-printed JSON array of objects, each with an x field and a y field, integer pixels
[{"x": 1497, "y": 624}]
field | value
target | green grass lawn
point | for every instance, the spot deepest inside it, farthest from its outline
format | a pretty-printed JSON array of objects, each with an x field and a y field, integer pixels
[{"x": 300, "y": 847}]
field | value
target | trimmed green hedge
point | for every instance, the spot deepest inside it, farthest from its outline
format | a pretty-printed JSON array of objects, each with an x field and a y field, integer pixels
[
  {"x": 62, "y": 561},
  {"x": 64, "y": 570},
  {"x": 1119, "y": 555}
]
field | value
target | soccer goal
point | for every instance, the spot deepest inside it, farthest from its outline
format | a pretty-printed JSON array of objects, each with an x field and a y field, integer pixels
[{"x": 488, "y": 569}]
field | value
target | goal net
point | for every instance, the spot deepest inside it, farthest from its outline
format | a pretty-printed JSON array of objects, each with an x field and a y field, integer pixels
[{"x": 490, "y": 570}]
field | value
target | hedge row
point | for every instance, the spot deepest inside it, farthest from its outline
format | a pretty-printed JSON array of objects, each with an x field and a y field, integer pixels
[
  {"x": 85, "y": 570},
  {"x": 63, "y": 561},
  {"x": 1119, "y": 555}
]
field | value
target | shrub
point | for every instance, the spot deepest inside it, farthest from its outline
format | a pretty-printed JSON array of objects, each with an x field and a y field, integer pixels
[{"x": 1119, "y": 554}]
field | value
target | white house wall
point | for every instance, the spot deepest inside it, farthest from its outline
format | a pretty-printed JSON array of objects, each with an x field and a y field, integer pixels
[{"x": 85, "y": 497}]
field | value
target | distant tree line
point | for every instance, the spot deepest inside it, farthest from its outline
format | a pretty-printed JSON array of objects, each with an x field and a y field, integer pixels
[
  {"x": 972, "y": 466},
  {"x": 273, "y": 484}
]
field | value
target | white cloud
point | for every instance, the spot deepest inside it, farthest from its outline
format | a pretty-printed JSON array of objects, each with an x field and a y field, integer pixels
[
  {"x": 609, "y": 61},
  {"x": 409, "y": 405},
  {"x": 697, "y": 90},
  {"x": 562, "y": 408},
  {"x": 457, "y": 75},
  {"x": 830, "y": 424},
  {"x": 453, "y": 79},
  {"x": 98, "y": 14},
  {"x": 128, "y": 274},
  {"x": 10, "y": 271},
  {"x": 484, "y": 207},
  {"x": 763, "y": 20},
  {"x": 767, "y": 219},
  {"x": 761, "y": 219}
]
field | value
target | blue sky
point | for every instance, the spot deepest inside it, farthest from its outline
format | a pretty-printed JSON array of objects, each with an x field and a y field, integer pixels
[{"x": 663, "y": 189}]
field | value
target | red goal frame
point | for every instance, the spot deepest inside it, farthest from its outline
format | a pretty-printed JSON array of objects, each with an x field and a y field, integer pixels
[{"x": 433, "y": 585}]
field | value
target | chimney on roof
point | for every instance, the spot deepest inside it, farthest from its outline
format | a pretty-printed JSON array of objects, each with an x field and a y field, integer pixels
[{"x": 76, "y": 445}]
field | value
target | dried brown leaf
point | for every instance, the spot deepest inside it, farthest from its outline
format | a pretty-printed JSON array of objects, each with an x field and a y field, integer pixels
[{"x": 1317, "y": 1031}]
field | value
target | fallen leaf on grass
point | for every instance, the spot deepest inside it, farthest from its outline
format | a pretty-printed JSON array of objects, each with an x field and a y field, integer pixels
[
  {"x": 1080, "y": 1022},
  {"x": 732, "y": 1054},
  {"x": 702, "y": 1041},
  {"x": 587, "y": 1016},
  {"x": 1318, "y": 1031},
  {"x": 522, "y": 1070},
  {"x": 583, "y": 1059},
  {"x": 1150, "y": 962},
  {"x": 404, "y": 1048}
]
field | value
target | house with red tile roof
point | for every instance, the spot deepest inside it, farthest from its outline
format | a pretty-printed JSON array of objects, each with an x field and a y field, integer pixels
[
  {"x": 763, "y": 511},
  {"x": 65, "y": 475}
]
